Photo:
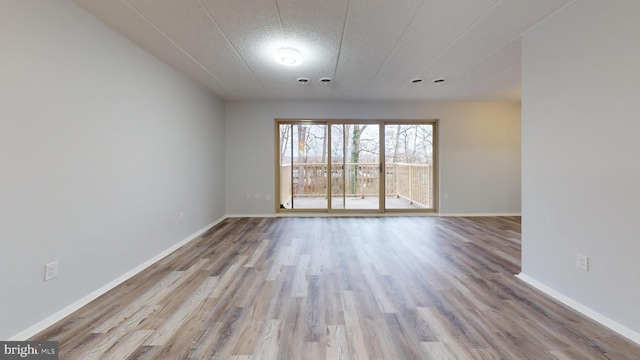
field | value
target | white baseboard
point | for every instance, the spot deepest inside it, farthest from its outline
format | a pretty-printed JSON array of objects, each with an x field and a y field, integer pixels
[
  {"x": 367, "y": 214},
  {"x": 594, "y": 315},
  {"x": 40, "y": 326},
  {"x": 354, "y": 214},
  {"x": 250, "y": 215},
  {"x": 479, "y": 214}
]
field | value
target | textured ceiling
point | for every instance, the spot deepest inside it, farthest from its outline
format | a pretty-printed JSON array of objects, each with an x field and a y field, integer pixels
[{"x": 372, "y": 49}]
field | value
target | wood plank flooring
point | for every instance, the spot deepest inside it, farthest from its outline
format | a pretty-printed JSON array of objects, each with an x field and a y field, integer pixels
[{"x": 337, "y": 288}]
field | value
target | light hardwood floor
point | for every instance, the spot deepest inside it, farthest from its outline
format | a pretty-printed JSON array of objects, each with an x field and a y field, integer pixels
[{"x": 337, "y": 288}]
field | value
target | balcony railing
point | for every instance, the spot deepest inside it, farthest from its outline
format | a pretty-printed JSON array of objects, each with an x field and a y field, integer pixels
[{"x": 413, "y": 182}]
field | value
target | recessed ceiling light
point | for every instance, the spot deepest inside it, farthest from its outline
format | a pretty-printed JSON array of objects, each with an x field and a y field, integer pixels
[
  {"x": 325, "y": 80},
  {"x": 302, "y": 80},
  {"x": 288, "y": 57},
  {"x": 438, "y": 80},
  {"x": 416, "y": 81}
]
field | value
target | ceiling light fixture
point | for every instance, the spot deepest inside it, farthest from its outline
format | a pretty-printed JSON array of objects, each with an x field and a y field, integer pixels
[
  {"x": 416, "y": 81},
  {"x": 302, "y": 80},
  {"x": 438, "y": 80},
  {"x": 325, "y": 80},
  {"x": 288, "y": 57}
]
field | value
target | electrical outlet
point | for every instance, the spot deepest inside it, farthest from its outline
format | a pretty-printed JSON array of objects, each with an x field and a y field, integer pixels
[
  {"x": 181, "y": 216},
  {"x": 583, "y": 262},
  {"x": 267, "y": 197},
  {"x": 257, "y": 196},
  {"x": 248, "y": 196},
  {"x": 50, "y": 271}
]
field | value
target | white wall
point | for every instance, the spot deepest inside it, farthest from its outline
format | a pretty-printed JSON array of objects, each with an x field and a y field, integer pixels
[
  {"x": 479, "y": 149},
  {"x": 581, "y": 172},
  {"x": 101, "y": 147}
]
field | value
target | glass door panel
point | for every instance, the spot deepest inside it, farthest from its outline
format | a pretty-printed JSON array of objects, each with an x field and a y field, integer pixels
[
  {"x": 303, "y": 166},
  {"x": 337, "y": 166},
  {"x": 355, "y": 163},
  {"x": 285, "y": 168},
  {"x": 409, "y": 162}
]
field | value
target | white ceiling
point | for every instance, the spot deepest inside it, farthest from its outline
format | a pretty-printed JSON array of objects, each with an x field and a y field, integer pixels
[{"x": 372, "y": 49}]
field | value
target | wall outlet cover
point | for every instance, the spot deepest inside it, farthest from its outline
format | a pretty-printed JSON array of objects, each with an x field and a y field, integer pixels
[
  {"x": 582, "y": 262},
  {"x": 50, "y": 271}
]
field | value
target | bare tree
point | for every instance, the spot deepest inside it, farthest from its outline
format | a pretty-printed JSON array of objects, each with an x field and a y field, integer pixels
[
  {"x": 302, "y": 147},
  {"x": 285, "y": 132},
  {"x": 396, "y": 144},
  {"x": 314, "y": 136},
  {"x": 324, "y": 144}
]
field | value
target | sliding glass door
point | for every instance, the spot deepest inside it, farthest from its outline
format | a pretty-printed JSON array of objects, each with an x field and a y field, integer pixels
[
  {"x": 356, "y": 166},
  {"x": 303, "y": 166},
  {"x": 409, "y": 166}
]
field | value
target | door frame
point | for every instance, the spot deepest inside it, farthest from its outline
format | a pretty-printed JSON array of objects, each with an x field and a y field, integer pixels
[{"x": 382, "y": 159}]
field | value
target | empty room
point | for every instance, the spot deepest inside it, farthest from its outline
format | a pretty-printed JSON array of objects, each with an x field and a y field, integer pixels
[{"x": 335, "y": 179}]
